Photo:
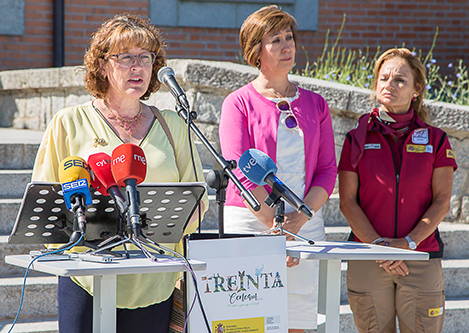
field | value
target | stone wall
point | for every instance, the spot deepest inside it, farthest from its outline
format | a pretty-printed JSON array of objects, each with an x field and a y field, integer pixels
[{"x": 29, "y": 98}]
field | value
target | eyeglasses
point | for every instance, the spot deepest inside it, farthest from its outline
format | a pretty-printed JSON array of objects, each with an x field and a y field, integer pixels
[
  {"x": 290, "y": 120},
  {"x": 128, "y": 59}
]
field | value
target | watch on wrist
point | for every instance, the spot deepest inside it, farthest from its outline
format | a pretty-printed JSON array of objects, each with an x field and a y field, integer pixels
[{"x": 412, "y": 244}]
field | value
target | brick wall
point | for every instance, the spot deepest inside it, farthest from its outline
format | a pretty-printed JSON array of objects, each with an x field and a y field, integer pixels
[
  {"x": 387, "y": 23},
  {"x": 391, "y": 23}
]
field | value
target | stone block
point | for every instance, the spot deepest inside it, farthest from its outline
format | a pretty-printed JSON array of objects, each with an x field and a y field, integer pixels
[
  {"x": 8, "y": 210},
  {"x": 40, "y": 298}
]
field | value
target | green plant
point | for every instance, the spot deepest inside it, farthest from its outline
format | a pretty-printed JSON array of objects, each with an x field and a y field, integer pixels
[{"x": 343, "y": 65}]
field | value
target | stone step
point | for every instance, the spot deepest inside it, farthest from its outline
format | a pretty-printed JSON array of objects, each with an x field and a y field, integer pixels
[
  {"x": 456, "y": 317},
  {"x": 8, "y": 210},
  {"x": 41, "y": 325},
  {"x": 14, "y": 183},
  {"x": 456, "y": 321},
  {"x": 455, "y": 237},
  {"x": 455, "y": 272},
  {"x": 40, "y": 298},
  {"x": 6, "y": 249},
  {"x": 18, "y": 148}
]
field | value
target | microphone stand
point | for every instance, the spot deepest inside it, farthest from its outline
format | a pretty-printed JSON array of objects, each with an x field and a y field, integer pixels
[
  {"x": 227, "y": 166},
  {"x": 130, "y": 237},
  {"x": 79, "y": 227},
  {"x": 275, "y": 198},
  {"x": 219, "y": 181}
]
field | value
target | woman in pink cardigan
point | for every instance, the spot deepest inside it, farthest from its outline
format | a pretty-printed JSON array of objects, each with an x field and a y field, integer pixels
[{"x": 293, "y": 126}]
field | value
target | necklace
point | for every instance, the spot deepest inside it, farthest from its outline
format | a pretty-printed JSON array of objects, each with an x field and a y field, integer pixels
[
  {"x": 129, "y": 124},
  {"x": 273, "y": 92}
]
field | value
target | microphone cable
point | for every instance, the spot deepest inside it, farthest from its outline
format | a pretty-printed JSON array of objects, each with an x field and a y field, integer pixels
[
  {"x": 196, "y": 287},
  {"x": 189, "y": 139},
  {"x": 26, "y": 275}
]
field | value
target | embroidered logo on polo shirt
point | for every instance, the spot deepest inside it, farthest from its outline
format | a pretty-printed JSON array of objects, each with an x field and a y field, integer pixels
[
  {"x": 373, "y": 146},
  {"x": 419, "y": 149},
  {"x": 450, "y": 154},
  {"x": 420, "y": 136},
  {"x": 435, "y": 312}
]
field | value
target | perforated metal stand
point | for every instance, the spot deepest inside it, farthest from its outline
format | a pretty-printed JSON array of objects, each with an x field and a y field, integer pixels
[{"x": 164, "y": 211}]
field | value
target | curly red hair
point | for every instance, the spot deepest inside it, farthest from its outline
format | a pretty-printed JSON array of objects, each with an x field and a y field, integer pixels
[{"x": 118, "y": 35}]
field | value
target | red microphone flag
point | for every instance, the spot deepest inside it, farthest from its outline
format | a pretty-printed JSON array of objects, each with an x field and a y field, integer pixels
[
  {"x": 128, "y": 162},
  {"x": 101, "y": 174}
]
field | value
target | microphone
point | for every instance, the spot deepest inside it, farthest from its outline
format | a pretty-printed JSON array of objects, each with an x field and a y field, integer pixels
[
  {"x": 166, "y": 76},
  {"x": 129, "y": 168},
  {"x": 74, "y": 178},
  {"x": 101, "y": 179},
  {"x": 259, "y": 168}
]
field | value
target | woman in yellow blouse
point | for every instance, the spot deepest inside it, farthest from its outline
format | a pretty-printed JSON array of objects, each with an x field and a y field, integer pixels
[{"x": 121, "y": 64}]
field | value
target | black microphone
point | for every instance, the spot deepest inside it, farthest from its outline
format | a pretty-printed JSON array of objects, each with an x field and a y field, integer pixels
[
  {"x": 259, "y": 168},
  {"x": 166, "y": 76}
]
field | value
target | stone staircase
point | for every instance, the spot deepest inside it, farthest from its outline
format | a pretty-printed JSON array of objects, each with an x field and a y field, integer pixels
[{"x": 39, "y": 310}]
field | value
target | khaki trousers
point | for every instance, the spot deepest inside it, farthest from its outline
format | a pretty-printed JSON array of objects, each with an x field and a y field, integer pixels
[{"x": 376, "y": 297}]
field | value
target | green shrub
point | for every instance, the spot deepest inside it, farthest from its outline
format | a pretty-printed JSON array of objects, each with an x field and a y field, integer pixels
[{"x": 344, "y": 65}]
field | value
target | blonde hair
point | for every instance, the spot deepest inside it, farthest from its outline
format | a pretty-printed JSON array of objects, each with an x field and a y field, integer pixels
[
  {"x": 418, "y": 73},
  {"x": 259, "y": 24},
  {"x": 119, "y": 35}
]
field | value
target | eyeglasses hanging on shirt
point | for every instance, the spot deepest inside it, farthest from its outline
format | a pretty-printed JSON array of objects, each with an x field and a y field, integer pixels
[{"x": 290, "y": 120}]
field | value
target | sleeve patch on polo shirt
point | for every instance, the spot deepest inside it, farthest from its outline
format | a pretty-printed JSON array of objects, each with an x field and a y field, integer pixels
[
  {"x": 449, "y": 153},
  {"x": 435, "y": 312},
  {"x": 419, "y": 149}
]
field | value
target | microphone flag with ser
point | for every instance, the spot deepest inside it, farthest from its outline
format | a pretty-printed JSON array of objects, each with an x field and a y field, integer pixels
[
  {"x": 129, "y": 168},
  {"x": 259, "y": 168},
  {"x": 74, "y": 178}
]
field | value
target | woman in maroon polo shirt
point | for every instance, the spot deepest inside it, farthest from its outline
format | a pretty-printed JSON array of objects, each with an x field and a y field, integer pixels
[{"x": 395, "y": 182}]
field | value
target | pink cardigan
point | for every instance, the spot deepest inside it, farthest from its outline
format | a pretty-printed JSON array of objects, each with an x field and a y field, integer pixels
[{"x": 249, "y": 120}]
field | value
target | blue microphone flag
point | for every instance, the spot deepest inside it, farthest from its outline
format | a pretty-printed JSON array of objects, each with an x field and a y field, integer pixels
[{"x": 256, "y": 165}]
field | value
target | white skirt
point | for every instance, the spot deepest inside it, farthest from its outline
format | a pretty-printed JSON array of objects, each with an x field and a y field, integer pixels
[{"x": 302, "y": 280}]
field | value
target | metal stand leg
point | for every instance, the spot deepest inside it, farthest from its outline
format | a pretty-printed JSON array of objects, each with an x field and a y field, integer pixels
[
  {"x": 329, "y": 295},
  {"x": 104, "y": 304}
]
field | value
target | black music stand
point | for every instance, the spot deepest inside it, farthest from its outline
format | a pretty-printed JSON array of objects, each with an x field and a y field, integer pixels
[{"x": 165, "y": 210}]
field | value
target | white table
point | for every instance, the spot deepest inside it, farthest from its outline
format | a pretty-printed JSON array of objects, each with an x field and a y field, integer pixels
[
  {"x": 330, "y": 255},
  {"x": 104, "y": 274}
]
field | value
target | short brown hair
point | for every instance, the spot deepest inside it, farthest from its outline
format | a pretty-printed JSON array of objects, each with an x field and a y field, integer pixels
[
  {"x": 260, "y": 23},
  {"x": 418, "y": 72},
  {"x": 118, "y": 35}
]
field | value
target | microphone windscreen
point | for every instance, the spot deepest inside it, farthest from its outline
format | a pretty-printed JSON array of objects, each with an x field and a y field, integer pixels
[
  {"x": 163, "y": 72},
  {"x": 73, "y": 168},
  {"x": 128, "y": 162},
  {"x": 256, "y": 165},
  {"x": 100, "y": 172}
]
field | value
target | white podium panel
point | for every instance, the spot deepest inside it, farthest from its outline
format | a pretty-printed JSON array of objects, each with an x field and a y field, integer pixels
[{"x": 244, "y": 286}]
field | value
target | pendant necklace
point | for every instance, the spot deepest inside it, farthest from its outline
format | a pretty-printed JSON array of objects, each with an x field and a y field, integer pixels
[{"x": 129, "y": 124}]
